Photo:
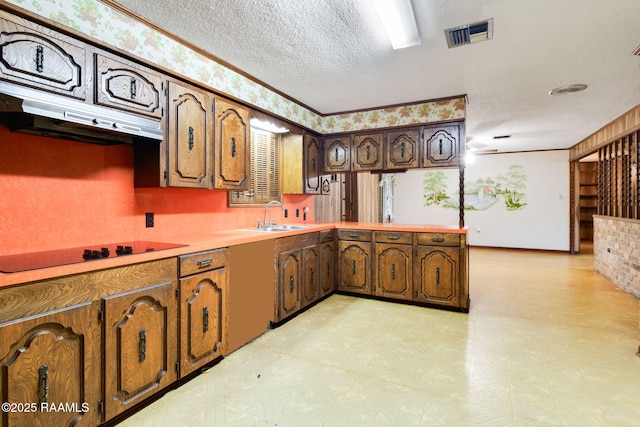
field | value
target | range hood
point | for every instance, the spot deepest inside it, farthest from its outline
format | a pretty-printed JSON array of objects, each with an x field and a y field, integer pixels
[{"x": 33, "y": 111}]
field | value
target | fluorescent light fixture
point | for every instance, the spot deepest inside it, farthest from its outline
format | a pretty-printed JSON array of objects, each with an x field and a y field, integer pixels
[
  {"x": 267, "y": 126},
  {"x": 399, "y": 22}
]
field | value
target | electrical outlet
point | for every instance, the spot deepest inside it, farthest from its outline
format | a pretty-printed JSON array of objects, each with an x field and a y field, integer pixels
[
  {"x": 286, "y": 213},
  {"x": 297, "y": 213},
  {"x": 149, "y": 220}
]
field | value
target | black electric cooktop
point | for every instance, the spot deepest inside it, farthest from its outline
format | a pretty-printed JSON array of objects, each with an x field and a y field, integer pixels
[{"x": 53, "y": 258}]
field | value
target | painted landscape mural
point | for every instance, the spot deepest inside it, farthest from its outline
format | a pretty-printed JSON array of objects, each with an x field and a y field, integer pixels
[{"x": 507, "y": 189}]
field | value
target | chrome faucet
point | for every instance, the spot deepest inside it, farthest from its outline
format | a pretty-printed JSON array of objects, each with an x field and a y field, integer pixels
[{"x": 271, "y": 203}]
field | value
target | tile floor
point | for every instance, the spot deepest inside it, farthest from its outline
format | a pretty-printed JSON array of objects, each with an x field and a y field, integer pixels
[{"x": 547, "y": 343}]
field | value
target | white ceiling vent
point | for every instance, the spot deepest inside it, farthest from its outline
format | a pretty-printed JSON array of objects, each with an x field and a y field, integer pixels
[{"x": 471, "y": 33}]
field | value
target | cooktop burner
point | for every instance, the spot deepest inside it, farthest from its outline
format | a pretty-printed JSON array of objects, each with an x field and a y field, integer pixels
[{"x": 53, "y": 258}]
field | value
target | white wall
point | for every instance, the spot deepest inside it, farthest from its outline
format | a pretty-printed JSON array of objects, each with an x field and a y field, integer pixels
[{"x": 543, "y": 223}]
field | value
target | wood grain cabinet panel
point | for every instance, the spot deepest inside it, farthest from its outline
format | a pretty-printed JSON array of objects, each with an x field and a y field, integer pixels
[
  {"x": 36, "y": 56},
  {"x": 311, "y": 280},
  {"x": 127, "y": 86},
  {"x": 393, "y": 271},
  {"x": 51, "y": 358},
  {"x": 203, "y": 318},
  {"x": 327, "y": 267},
  {"x": 366, "y": 152},
  {"x": 312, "y": 164},
  {"x": 355, "y": 266},
  {"x": 436, "y": 277},
  {"x": 402, "y": 149},
  {"x": 232, "y": 164},
  {"x": 289, "y": 278},
  {"x": 140, "y": 345},
  {"x": 189, "y": 137},
  {"x": 441, "y": 146},
  {"x": 337, "y": 154}
]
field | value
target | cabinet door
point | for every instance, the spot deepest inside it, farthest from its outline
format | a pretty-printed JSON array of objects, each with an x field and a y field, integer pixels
[
  {"x": 367, "y": 152},
  {"x": 337, "y": 154},
  {"x": 203, "y": 318},
  {"x": 232, "y": 164},
  {"x": 140, "y": 339},
  {"x": 48, "y": 359},
  {"x": 189, "y": 137},
  {"x": 401, "y": 149},
  {"x": 394, "y": 273},
  {"x": 327, "y": 267},
  {"x": 312, "y": 164},
  {"x": 45, "y": 59},
  {"x": 436, "y": 275},
  {"x": 311, "y": 279},
  {"x": 355, "y": 267},
  {"x": 289, "y": 272},
  {"x": 127, "y": 86},
  {"x": 441, "y": 146}
]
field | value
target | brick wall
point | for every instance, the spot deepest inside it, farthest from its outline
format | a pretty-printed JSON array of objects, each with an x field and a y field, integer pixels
[{"x": 616, "y": 247}]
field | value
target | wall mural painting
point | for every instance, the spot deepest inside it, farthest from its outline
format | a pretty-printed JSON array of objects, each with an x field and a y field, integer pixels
[{"x": 482, "y": 193}]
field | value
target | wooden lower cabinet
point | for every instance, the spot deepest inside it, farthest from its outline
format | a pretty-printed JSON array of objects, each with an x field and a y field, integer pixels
[
  {"x": 327, "y": 267},
  {"x": 140, "y": 339},
  {"x": 311, "y": 279},
  {"x": 393, "y": 271},
  {"x": 289, "y": 277},
  {"x": 355, "y": 266},
  {"x": 436, "y": 275},
  {"x": 49, "y": 359}
]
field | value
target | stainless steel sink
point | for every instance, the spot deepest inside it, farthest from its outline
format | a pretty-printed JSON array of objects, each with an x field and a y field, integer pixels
[{"x": 275, "y": 228}]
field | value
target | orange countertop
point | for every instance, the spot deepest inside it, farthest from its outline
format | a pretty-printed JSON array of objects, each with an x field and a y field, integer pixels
[{"x": 207, "y": 241}]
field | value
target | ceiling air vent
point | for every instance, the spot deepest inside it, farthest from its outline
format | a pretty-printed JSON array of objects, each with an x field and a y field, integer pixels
[{"x": 467, "y": 34}]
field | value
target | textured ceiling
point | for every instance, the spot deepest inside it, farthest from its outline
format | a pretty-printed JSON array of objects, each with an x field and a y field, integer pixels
[{"x": 333, "y": 56}]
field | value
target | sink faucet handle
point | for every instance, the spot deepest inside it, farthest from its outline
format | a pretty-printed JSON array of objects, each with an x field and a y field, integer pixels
[
  {"x": 259, "y": 222},
  {"x": 272, "y": 222}
]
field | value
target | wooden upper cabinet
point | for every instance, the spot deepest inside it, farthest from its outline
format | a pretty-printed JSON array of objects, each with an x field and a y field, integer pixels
[
  {"x": 127, "y": 86},
  {"x": 441, "y": 146},
  {"x": 232, "y": 162},
  {"x": 189, "y": 137},
  {"x": 367, "y": 152},
  {"x": 36, "y": 56},
  {"x": 312, "y": 164},
  {"x": 402, "y": 148},
  {"x": 337, "y": 154}
]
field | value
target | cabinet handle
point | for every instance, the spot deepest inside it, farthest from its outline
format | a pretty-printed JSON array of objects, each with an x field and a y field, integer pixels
[
  {"x": 204, "y": 262},
  {"x": 402, "y": 149},
  {"x": 291, "y": 283},
  {"x": 440, "y": 140},
  {"x": 133, "y": 88},
  {"x": 437, "y": 239},
  {"x": 328, "y": 268},
  {"x": 190, "y": 138},
  {"x": 311, "y": 278},
  {"x": 142, "y": 346},
  {"x": 233, "y": 147},
  {"x": 205, "y": 319},
  {"x": 354, "y": 235},
  {"x": 313, "y": 164},
  {"x": 368, "y": 152},
  {"x": 353, "y": 266},
  {"x": 43, "y": 383},
  {"x": 393, "y": 271},
  {"x": 394, "y": 237},
  {"x": 336, "y": 154},
  {"x": 437, "y": 275},
  {"x": 39, "y": 59}
]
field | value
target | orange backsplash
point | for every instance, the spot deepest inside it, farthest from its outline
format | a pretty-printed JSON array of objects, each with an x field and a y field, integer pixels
[{"x": 61, "y": 194}]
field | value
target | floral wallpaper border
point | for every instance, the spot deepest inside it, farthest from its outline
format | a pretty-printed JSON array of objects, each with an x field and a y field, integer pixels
[{"x": 100, "y": 21}]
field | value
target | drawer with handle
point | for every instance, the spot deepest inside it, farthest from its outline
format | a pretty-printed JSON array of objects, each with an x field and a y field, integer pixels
[
  {"x": 202, "y": 261},
  {"x": 394, "y": 237},
  {"x": 357, "y": 235},
  {"x": 438, "y": 239}
]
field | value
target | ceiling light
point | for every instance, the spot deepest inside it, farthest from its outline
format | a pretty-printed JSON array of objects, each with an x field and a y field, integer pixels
[
  {"x": 399, "y": 22},
  {"x": 568, "y": 89},
  {"x": 267, "y": 126}
]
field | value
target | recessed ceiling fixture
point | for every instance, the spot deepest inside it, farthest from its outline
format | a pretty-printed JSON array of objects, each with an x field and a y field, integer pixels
[
  {"x": 568, "y": 89},
  {"x": 398, "y": 22},
  {"x": 471, "y": 33}
]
